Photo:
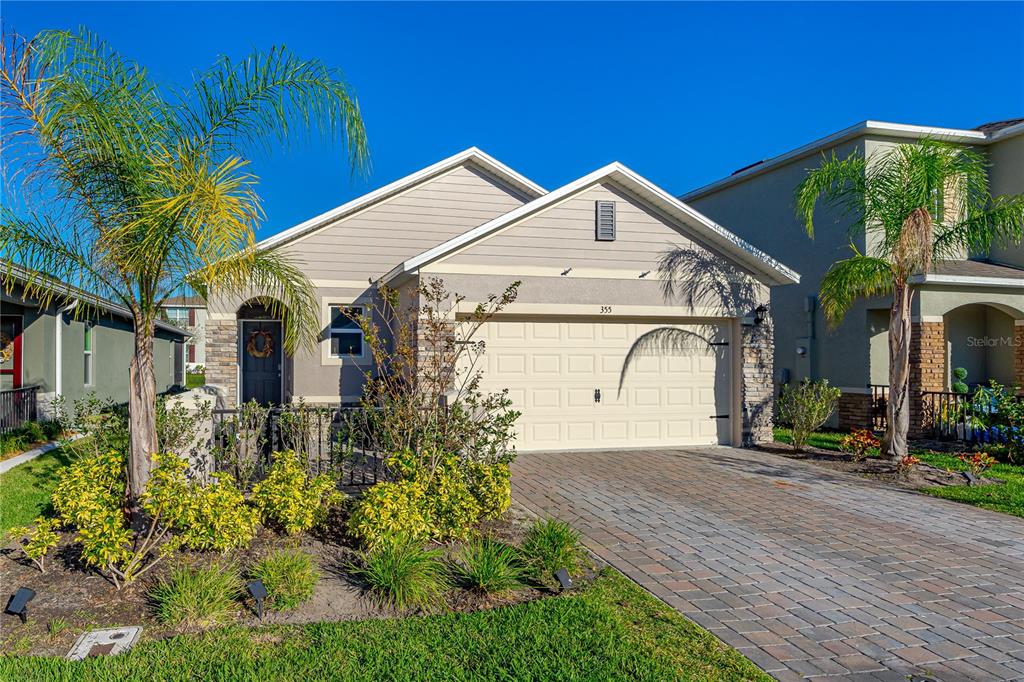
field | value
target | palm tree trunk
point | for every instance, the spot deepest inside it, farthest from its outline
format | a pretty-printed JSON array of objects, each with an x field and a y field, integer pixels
[
  {"x": 894, "y": 445},
  {"x": 141, "y": 415}
]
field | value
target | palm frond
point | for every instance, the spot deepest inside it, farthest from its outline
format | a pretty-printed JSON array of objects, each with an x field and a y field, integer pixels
[
  {"x": 244, "y": 104},
  {"x": 837, "y": 182},
  {"x": 850, "y": 279}
]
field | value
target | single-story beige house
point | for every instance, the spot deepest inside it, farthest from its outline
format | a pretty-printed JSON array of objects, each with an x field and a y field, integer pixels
[{"x": 609, "y": 264}]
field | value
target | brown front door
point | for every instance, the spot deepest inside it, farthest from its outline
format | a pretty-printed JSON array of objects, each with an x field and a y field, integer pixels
[{"x": 10, "y": 352}]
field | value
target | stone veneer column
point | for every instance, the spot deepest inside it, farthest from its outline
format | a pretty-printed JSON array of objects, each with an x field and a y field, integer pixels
[
  {"x": 927, "y": 369},
  {"x": 758, "y": 394},
  {"x": 222, "y": 357}
]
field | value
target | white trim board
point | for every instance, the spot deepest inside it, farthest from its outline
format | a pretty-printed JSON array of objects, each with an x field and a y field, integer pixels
[
  {"x": 488, "y": 163},
  {"x": 962, "y": 280},
  {"x": 704, "y": 228}
]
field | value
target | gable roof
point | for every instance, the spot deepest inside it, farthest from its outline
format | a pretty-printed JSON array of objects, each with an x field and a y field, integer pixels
[
  {"x": 472, "y": 155},
  {"x": 983, "y": 135},
  {"x": 702, "y": 226}
]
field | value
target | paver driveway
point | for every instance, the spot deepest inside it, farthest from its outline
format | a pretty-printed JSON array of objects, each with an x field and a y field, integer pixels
[{"x": 808, "y": 572}]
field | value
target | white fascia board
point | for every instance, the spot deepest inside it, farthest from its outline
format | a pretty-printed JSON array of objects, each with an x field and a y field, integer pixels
[
  {"x": 1006, "y": 132},
  {"x": 484, "y": 160},
  {"x": 963, "y": 280},
  {"x": 856, "y": 130},
  {"x": 778, "y": 273}
]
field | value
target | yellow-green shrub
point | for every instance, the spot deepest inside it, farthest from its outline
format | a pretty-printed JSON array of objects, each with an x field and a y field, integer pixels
[
  {"x": 39, "y": 540},
  {"x": 391, "y": 509},
  {"x": 453, "y": 509},
  {"x": 491, "y": 486},
  {"x": 291, "y": 500}
]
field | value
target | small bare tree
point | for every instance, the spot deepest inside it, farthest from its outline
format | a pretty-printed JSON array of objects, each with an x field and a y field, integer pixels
[{"x": 423, "y": 392}]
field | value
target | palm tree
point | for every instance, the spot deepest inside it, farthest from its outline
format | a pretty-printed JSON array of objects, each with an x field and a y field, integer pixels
[
  {"x": 916, "y": 204},
  {"x": 138, "y": 193}
]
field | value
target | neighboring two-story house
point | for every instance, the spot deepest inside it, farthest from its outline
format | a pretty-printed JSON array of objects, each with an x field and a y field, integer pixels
[
  {"x": 968, "y": 313},
  {"x": 189, "y": 313}
]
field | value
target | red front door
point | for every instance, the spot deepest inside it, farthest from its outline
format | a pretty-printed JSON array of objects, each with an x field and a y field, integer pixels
[{"x": 10, "y": 351}]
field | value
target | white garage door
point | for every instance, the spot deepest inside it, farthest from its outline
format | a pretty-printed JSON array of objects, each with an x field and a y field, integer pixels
[{"x": 571, "y": 382}]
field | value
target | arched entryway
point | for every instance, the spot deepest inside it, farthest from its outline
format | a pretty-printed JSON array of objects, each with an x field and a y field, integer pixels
[
  {"x": 262, "y": 362},
  {"x": 980, "y": 338}
]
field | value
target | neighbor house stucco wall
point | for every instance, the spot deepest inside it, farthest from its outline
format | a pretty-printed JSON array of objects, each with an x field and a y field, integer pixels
[
  {"x": 1006, "y": 176},
  {"x": 761, "y": 210}
]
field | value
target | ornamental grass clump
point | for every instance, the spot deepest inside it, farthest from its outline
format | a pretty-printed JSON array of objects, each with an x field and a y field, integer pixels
[
  {"x": 197, "y": 597},
  {"x": 488, "y": 566},
  {"x": 289, "y": 576},
  {"x": 402, "y": 574},
  {"x": 291, "y": 500},
  {"x": 550, "y": 545}
]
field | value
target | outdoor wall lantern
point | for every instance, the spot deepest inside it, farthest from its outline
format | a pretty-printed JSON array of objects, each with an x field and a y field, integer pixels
[
  {"x": 563, "y": 578},
  {"x": 17, "y": 605},
  {"x": 760, "y": 313},
  {"x": 258, "y": 592}
]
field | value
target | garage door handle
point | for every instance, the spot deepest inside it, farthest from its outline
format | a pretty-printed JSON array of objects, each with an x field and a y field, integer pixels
[{"x": 719, "y": 416}]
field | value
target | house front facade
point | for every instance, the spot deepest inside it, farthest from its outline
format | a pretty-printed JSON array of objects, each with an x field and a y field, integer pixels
[
  {"x": 51, "y": 349},
  {"x": 967, "y": 313},
  {"x": 611, "y": 267}
]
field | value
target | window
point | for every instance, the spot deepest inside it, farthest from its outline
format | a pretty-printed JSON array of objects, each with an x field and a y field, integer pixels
[
  {"x": 346, "y": 336},
  {"x": 179, "y": 317},
  {"x": 87, "y": 352}
]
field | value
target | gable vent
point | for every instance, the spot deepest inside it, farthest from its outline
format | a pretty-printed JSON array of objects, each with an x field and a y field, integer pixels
[{"x": 605, "y": 221}]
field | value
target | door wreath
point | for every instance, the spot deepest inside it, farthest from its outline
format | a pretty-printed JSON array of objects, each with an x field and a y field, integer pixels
[{"x": 260, "y": 351}]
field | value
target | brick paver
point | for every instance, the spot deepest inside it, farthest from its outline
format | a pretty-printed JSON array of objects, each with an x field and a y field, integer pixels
[{"x": 810, "y": 573}]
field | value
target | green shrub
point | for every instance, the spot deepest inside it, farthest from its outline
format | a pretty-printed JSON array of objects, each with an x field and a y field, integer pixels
[
  {"x": 402, "y": 574},
  {"x": 33, "y": 432},
  {"x": 805, "y": 407},
  {"x": 52, "y": 429},
  {"x": 291, "y": 500},
  {"x": 197, "y": 597},
  {"x": 289, "y": 576},
  {"x": 960, "y": 381},
  {"x": 550, "y": 545},
  {"x": 390, "y": 509},
  {"x": 12, "y": 443},
  {"x": 39, "y": 540},
  {"x": 491, "y": 486},
  {"x": 488, "y": 566}
]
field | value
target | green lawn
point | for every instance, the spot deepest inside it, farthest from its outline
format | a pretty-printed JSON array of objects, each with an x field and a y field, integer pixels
[
  {"x": 194, "y": 380},
  {"x": 25, "y": 489},
  {"x": 1007, "y": 498},
  {"x": 611, "y": 630}
]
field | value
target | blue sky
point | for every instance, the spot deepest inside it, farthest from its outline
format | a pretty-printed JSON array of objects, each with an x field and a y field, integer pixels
[{"x": 682, "y": 93}]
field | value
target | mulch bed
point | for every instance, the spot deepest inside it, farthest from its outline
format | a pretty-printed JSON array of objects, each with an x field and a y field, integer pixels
[
  {"x": 71, "y": 593},
  {"x": 922, "y": 475}
]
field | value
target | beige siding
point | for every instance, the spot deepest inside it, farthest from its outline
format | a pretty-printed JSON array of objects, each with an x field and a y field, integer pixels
[
  {"x": 373, "y": 241},
  {"x": 563, "y": 236}
]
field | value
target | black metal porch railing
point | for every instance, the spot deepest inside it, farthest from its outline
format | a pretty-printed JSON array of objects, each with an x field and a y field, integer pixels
[
  {"x": 879, "y": 406},
  {"x": 335, "y": 440},
  {"x": 18, "y": 406},
  {"x": 965, "y": 417}
]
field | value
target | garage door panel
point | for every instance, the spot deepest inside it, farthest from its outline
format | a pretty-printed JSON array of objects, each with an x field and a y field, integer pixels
[{"x": 552, "y": 369}]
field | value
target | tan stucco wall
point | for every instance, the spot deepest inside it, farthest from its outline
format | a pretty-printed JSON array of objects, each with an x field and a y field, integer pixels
[
  {"x": 761, "y": 211},
  {"x": 1006, "y": 176}
]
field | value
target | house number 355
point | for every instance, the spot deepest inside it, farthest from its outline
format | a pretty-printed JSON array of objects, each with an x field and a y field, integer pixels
[{"x": 606, "y": 309}]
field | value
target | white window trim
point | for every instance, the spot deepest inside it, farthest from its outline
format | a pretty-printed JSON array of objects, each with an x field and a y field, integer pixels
[
  {"x": 326, "y": 358},
  {"x": 91, "y": 353}
]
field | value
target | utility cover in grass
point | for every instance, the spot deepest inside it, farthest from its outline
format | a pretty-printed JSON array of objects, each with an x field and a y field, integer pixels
[{"x": 104, "y": 642}]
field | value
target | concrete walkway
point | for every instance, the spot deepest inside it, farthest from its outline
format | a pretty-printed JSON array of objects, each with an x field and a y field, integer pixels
[{"x": 809, "y": 573}]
